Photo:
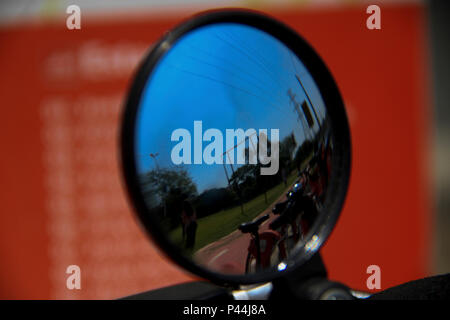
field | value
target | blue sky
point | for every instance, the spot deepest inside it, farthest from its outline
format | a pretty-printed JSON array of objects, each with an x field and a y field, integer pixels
[{"x": 228, "y": 76}]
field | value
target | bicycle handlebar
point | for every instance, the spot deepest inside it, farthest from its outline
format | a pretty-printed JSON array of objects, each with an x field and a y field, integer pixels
[{"x": 252, "y": 226}]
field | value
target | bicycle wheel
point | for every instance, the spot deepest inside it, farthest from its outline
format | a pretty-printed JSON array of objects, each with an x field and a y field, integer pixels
[{"x": 250, "y": 263}]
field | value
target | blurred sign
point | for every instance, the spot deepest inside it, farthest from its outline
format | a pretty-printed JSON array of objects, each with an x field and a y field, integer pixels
[{"x": 61, "y": 195}]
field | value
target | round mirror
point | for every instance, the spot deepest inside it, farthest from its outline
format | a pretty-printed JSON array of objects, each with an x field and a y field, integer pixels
[{"x": 235, "y": 147}]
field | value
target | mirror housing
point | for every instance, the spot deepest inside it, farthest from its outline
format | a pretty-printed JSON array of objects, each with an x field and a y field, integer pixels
[{"x": 322, "y": 132}]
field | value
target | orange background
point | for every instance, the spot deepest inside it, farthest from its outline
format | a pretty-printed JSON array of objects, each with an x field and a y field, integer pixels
[{"x": 61, "y": 195}]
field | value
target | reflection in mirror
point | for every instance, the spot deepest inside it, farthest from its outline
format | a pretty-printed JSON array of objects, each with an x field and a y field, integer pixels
[{"x": 233, "y": 148}]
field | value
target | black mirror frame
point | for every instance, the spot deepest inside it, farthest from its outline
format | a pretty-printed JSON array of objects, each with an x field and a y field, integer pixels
[{"x": 341, "y": 160}]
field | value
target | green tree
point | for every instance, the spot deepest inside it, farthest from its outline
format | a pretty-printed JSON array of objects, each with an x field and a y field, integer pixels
[{"x": 165, "y": 189}]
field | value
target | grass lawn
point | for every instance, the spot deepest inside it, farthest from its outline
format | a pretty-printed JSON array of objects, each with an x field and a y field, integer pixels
[{"x": 222, "y": 223}]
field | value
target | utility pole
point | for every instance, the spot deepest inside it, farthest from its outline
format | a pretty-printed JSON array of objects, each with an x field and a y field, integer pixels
[
  {"x": 154, "y": 155},
  {"x": 300, "y": 115},
  {"x": 309, "y": 101}
]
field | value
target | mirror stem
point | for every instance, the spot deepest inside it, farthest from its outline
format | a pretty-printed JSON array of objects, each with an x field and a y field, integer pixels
[
  {"x": 310, "y": 282},
  {"x": 289, "y": 285}
]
